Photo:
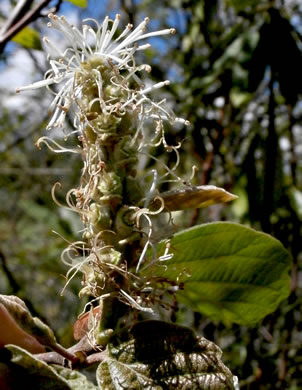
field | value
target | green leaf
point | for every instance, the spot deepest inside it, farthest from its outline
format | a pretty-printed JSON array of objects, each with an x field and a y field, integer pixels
[
  {"x": 36, "y": 374},
  {"x": 295, "y": 198},
  {"x": 75, "y": 379},
  {"x": 28, "y": 38},
  {"x": 230, "y": 272},
  {"x": 193, "y": 197},
  {"x": 79, "y": 3},
  {"x": 157, "y": 355},
  {"x": 238, "y": 98}
]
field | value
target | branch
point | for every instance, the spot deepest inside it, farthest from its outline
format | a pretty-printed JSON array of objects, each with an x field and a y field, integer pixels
[
  {"x": 55, "y": 358},
  {"x": 97, "y": 357},
  {"x": 65, "y": 353},
  {"x": 34, "y": 172},
  {"x": 56, "y": 8},
  {"x": 31, "y": 16},
  {"x": 52, "y": 358},
  {"x": 12, "y": 281},
  {"x": 20, "y": 9},
  {"x": 130, "y": 10},
  {"x": 15, "y": 286},
  {"x": 270, "y": 163},
  {"x": 81, "y": 354}
]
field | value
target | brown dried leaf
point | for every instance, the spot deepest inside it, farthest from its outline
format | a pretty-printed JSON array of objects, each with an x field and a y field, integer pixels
[{"x": 193, "y": 198}]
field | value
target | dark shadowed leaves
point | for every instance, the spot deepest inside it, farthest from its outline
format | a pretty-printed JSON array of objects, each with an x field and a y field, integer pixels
[
  {"x": 277, "y": 48},
  {"x": 156, "y": 355}
]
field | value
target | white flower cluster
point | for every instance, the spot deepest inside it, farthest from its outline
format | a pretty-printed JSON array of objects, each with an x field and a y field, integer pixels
[
  {"x": 90, "y": 51},
  {"x": 97, "y": 79}
]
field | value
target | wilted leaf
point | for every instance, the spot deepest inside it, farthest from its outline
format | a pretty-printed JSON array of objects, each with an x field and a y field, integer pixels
[
  {"x": 85, "y": 322},
  {"x": 156, "y": 355},
  {"x": 193, "y": 198},
  {"x": 79, "y": 3},
  {"x": 12, "y": 333},
  {"x": 24, "y": 319},
  {"x": 230, "y": 272},
  {"x": 28, "y": 38}
]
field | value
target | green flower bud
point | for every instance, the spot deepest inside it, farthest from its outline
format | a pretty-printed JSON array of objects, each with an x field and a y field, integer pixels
[
  {"x": 103, "y": 338},
  {"x": 124, "y": 222},
  {"x": 110, "y": 184},
  {"x": 101, "y": 216}
]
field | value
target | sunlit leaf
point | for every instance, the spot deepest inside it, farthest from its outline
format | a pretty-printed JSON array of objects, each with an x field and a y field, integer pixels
[
  {"x": 238, "y": 97},
  {"x": 28, "y": 38},
  {"x": 157, "y": 355},
  {"x": 230, "y": 272},
  {"x": 79, "y": 3},
  {"x": 295, "y": 197}
]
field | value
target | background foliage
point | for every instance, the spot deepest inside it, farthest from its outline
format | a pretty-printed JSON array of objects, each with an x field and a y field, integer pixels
[{"x": 235, "y": 68}]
